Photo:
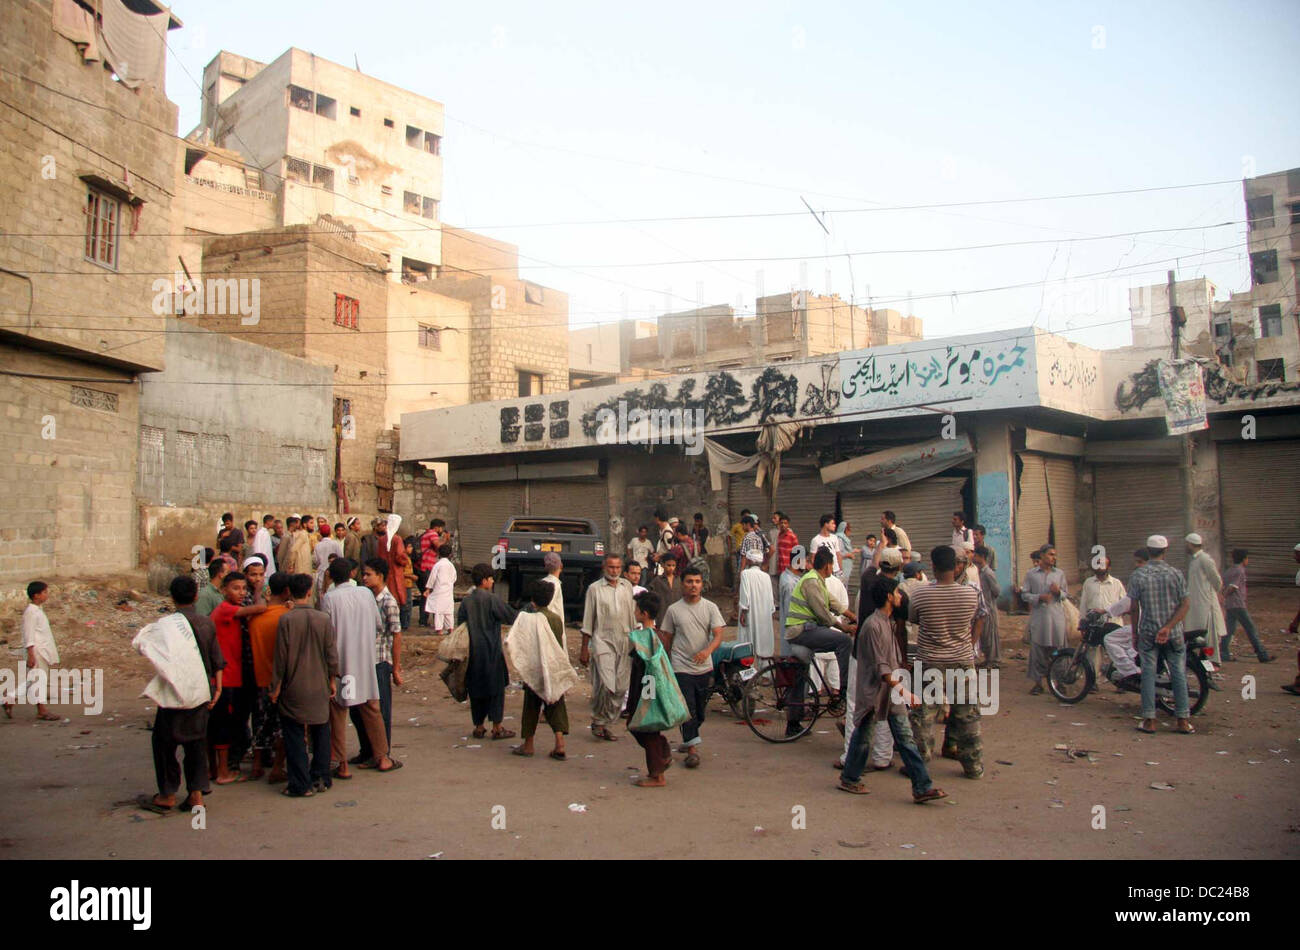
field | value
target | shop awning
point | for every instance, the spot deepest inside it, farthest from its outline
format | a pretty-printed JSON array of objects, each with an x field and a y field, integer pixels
[{"x": 890, "y": 468}]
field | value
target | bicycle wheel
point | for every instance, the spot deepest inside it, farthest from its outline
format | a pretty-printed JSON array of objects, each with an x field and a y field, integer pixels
[{"x": 769, "y": 705}]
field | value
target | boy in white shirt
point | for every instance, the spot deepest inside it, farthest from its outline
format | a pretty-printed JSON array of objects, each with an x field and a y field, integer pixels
[{"x": 38, "y": 641}]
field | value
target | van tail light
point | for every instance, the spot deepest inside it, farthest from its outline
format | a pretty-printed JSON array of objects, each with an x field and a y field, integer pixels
[
  {"x": 600, "y": 548},
  {"x": 503, "y": 545}
]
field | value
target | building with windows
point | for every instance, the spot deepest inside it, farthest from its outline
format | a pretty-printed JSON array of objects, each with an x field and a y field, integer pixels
[{"x": 86, "y": 181}]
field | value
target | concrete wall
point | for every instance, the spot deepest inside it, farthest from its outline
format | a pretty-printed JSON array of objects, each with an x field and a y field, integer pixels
[
  {"x": 238, "y": 423},
  {"x": 420, "y": 377},
  {"x": 68, "y": 467},
  {"x": 300, "y": 272}
]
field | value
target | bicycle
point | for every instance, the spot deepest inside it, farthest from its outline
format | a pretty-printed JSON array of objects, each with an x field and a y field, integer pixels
[{"x": 770, "y": 704}]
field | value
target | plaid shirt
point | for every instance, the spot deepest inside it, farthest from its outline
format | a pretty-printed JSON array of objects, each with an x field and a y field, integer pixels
[
  {"x": 1159, "y": 588},
  {"x": 753, "y": 542},
  {"x": 392, "y": 617}
]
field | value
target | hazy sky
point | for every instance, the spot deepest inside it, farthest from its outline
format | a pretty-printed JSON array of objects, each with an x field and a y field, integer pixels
[{"x": 563, "y": 113}]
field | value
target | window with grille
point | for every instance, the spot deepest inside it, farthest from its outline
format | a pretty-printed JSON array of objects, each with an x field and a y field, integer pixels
[
  {"x": 430, "y": 337},
  {"x": 430, "y": 209},
  {"x": 1270, "y": 320},
  {"x": 295, "y": 169},
  {"x": 1270, "y": 371},
  {"x": 1259, "y": 212},
  {"x": 347, "y": 310},
  {"x": 323, "y": 176},
  {"x": 1263, "y": 267},
  {"x": 103, "y": 222}
]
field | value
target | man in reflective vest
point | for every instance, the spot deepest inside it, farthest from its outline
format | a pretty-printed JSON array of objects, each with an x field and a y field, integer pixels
[{"x": 811, "y": 628}]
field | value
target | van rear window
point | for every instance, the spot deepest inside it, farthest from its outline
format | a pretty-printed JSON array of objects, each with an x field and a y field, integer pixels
[{"x": 549, "y": 526}]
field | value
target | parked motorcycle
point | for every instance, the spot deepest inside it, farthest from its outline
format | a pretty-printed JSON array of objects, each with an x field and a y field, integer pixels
[
  {"x": 733, "y": 665},
  {"x": 1070, "y": 675}
]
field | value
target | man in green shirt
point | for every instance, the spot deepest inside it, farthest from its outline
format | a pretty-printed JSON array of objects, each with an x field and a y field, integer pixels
[
  {"x": 210, "y": 597},
  {"x": 811, "y": 628}
]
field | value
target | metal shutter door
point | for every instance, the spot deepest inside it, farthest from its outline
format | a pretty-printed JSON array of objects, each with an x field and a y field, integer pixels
[
  {"x": 800, "y": 494},
  {"x": 923, "y": 509},
  {"x": 570, "y": 498},
  {"x": 1061, "y": 480},
  {"x": 482, "y": 512},
  {"x": 1132, "y": 502},
  {"x": 1033, "y": 514},
  {"x": 1259, "y": 483}
]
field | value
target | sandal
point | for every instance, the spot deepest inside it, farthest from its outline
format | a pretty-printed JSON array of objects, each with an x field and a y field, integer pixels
[
  {"x": 558, "y": 756},
  {"x": 479, "y": 733},
  {"x": 519, "y": 750},
  {"x": 397, "y": 764},
  {"x": 503, "y": 734},
  {"x": 1036, "y": 691},
  {"x": 603, "y": 733},
  {"x": 47, "y": 717},
  {"x": 147, "y": 803},
  {"x": 692, "y": 761},
  {"x": 337, "y": 774},
  {"x": 854, "y": 788},
  {"x": 1150, "y": 732},
  {"x": 1189, "y": 731},
  {"x": 934, "y": 794},
  {"x": 287, "y": 793}
]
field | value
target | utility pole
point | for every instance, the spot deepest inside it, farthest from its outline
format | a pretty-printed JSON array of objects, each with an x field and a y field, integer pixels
[{"x": 1177, "y": 320}]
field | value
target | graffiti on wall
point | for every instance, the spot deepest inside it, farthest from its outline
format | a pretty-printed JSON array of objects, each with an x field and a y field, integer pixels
[
  {"x": 537, "y": 418},
  {"x": 1144, "y": 385},
  {"x": 1072, "y": 373},
  {"x": 772, "y": 395}
]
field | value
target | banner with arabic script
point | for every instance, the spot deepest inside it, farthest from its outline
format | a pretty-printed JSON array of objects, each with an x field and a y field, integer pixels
[
  {"x": 1183, "y": 388},
  {"x": 988, "y": 371}
]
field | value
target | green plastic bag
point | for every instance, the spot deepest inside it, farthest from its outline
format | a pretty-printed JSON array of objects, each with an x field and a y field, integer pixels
[{"x": 661, "y": 705}]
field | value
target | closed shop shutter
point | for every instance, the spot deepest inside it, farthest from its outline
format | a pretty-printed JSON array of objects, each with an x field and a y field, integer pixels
[
  {"x": 1061, "y": 481},
  {"x": 570, "y": 498},
  {"x": 1033, "y": 513},
  {"x": 800, "y": 494},
  {"x": 1132, "y": 502},
  {"x": 482, "y": 511},
  {"x": 1259, "y": 483},
  {"x": 923, "y": 509}
]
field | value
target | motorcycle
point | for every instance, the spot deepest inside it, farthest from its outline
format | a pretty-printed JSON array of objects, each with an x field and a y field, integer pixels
[
  {"x": 1070, "y": 676},
  {"x": 733, "y": 667}
]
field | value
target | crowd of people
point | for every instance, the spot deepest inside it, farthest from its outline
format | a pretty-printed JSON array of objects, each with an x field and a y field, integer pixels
[{"x": 298, "y": 628}]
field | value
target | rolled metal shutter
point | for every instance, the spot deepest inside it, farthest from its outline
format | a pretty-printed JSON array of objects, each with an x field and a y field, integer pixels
[
  {"x": 923, "y": 509},
  {"x": 482, "y": 511},
  {"x": 1061, "y": 482},
  {"x": 571, "y": 498},
  {"x": 800, "y": 494},
  {"x": 1259, "y": 483},
  {"x": 1033, "y": 512},
  {"x": 1132, "y": 502}
]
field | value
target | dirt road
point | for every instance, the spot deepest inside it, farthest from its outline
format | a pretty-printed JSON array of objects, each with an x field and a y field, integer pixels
[{"x": 1236, "y": 785}]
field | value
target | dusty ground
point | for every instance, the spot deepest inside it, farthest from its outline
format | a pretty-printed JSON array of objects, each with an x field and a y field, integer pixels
[{"x": 1234, "y": 796}]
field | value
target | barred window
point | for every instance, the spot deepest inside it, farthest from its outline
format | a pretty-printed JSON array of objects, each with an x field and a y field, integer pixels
[
  {"x": 347, "y": 310},
  {"x": 430, "y": 337}
]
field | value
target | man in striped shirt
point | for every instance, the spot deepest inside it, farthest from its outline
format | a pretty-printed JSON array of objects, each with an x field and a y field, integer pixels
[
  {"x": 945, "y": 612},
  {"x": 388, "y": 652}
]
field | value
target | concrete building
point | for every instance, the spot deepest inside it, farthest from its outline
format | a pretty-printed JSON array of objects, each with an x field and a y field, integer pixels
[
  {"x": 598, "y": 354},
  {"x": 330, "y": 140},
  {"x": 1253, "y": 335},
  {"x": 789, "y": 326},
  {"x": 519, "y": 330},
  {"x": 86, "y": 179},
  {"x": 1040, "y": 439}
]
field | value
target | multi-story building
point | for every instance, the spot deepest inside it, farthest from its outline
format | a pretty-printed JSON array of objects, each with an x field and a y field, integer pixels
[
  {"x": 333, "y": 141},
  {"x": 1255, "y": 334},
  {"x": 788, "y": 326},
  {"x": 86, "y": 185}
]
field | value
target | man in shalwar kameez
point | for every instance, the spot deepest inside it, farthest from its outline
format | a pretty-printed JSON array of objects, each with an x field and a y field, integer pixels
[
  {"x": 1204, "y": 612},
  {"x": 607, "y": 618},
  {"x": 756, "y": 606}
]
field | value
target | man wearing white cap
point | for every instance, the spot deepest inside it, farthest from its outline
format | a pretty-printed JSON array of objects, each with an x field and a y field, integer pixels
[
  {"x": 1159, "y": 595},
  {"x": 756, "y": 606},
  {"x": 1204, "y": 614}
]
